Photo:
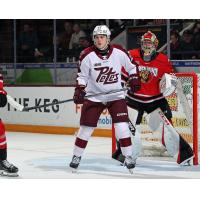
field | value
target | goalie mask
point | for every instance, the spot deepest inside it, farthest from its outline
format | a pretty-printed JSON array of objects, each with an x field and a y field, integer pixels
[
  {"x": 104, "y": 31},
  {"x": 149, "y": 44}
]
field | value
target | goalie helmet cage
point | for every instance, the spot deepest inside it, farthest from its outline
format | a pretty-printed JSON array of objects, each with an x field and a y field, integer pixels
[{"x": 188, "y": 128}]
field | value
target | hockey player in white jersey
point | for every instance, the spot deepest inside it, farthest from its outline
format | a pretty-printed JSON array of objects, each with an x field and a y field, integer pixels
[{"x": 100, "y": 71}]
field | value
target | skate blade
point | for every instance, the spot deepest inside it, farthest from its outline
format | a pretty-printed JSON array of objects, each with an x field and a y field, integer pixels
[
  {"x": 74, "y": 171},
  {"x": 3, "y": 173},
  {"x": 131, "y": 171}
]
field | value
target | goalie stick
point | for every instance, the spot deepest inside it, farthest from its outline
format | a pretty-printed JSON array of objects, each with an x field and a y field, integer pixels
[
  {"x": 172, "y": 137},
  {"x": 69, "y": 100}
]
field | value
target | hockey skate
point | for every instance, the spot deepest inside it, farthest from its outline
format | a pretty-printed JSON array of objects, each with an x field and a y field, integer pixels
[
  {"x": 129, "y": 163},
  {"x": 8, "y": 169},
  {"x": 75, "y": 163}
]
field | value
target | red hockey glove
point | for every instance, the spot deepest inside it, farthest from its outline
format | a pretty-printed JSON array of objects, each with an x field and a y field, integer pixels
[
  {"x": 134, "y": 82},
  {"x": 79, "y": 94},
  {"x": 3, "y": 98}
]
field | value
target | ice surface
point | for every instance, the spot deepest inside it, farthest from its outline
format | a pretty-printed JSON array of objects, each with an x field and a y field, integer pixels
[{"x": 48, "y": 156}]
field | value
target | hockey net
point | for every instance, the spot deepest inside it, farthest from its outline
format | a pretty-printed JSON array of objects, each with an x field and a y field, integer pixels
[{"x": 184, "y": 105}]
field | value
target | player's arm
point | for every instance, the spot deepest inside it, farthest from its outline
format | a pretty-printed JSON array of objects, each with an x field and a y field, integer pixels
[
  {"x": 83, "y": 71},
  {"x": 82, "y": 78},
  {"x": 124, "y": 76},
  {"x": 132, "y": 69},
  {"x": 3, "y": 98}
]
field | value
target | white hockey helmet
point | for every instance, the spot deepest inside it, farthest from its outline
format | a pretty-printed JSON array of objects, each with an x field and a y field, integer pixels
[{"x": 101, "y": 30}]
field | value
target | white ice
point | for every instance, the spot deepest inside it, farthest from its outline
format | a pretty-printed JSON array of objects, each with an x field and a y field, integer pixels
[{"x": 48, "y": 156}]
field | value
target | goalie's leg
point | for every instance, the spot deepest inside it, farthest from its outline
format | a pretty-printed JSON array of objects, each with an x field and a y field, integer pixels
[
  {"x": 6, "y": 168},
  {"x": 185, "y": 152},
  {"x": 174, "y": 143}
]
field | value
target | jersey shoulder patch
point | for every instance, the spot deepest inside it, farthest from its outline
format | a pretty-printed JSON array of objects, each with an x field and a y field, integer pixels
[
  {"x": 85, "y": 52},
  {"x": 135, "y": 53},
  {"x": 119, "y": 47},
  {"x": 162, "y": 58}
]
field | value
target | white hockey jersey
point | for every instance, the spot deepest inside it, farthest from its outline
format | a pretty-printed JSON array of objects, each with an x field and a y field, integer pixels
[{"x": 103, "y": 74}]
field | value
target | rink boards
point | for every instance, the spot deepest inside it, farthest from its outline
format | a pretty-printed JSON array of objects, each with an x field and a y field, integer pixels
[{"x": 58, "y": 119}]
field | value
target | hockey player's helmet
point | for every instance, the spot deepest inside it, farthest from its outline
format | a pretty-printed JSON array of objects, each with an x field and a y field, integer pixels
[
  {"x": 149, "y": 43},
  {"x": 102, "y": 30}
]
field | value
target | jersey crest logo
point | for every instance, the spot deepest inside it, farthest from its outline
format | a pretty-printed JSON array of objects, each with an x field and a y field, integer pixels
[
  {"x": 146, "y": 73},
  {"x": 106, "y": 75},
  {"x": 145, "y": 76}
]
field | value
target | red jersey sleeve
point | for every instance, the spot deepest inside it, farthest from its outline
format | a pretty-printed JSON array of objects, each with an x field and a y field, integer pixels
[{"x": 1, "y": 82}]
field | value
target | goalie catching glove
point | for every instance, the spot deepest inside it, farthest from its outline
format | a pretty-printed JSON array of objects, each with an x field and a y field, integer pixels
[
  {"x": 79, "y": 94},
  {"x": 134, "y": 82},
  {"x": 168, "y": 84},
  {"x": 3, "y": 98}
]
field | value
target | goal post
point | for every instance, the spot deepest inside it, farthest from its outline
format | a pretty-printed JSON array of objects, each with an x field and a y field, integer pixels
[
  {"x": 193, "y": 91},
  {"x": 184, "y": 105}
]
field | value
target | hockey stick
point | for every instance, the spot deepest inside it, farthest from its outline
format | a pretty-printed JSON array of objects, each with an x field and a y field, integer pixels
[
  {"x": 69, "y": 100},
  {"x": 14, "y": 104},
  {"x": 172, "y": 137}
]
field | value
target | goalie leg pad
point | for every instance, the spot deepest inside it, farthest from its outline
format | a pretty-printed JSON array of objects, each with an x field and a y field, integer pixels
[
  {"x": 185, "y": 153},
  {"x": 175, "y": 144},
  {"x": 171, "y": 142},
  {"x": 137, "y": 143},
  {"x": 171, "y": 137}
]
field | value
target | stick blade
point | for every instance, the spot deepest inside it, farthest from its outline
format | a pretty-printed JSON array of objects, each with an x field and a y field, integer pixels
[{"x": 14, "y": 104}]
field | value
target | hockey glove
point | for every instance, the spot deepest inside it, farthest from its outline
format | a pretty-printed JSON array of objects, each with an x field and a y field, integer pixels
[
  {"x": 3, "y": 98},
  {"x": 79, "y": 94},
  {"x": 134, "y": 82}
]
